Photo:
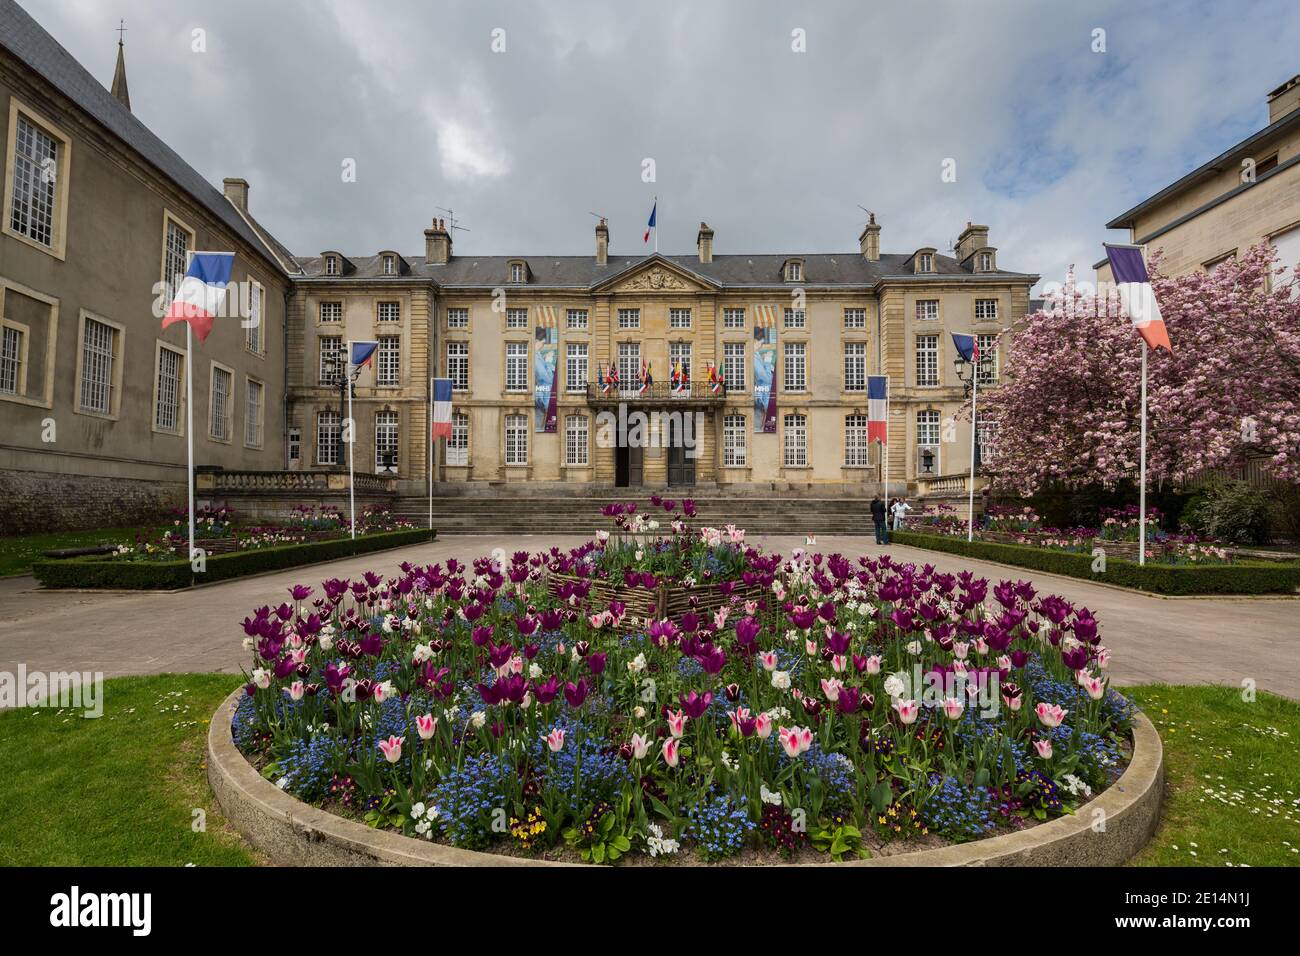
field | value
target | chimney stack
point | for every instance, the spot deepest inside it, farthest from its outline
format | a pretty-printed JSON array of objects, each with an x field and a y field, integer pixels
[
  {"x": 1284, "y": 99},
  {"x": 704, "y": 242},
  {"x": 971, "y": 240},
  {"x": 236, "y": 191},
  {"x": 869, "y": 241},
  {"x": 437, "y": 244},
  {"x": 602, "y": 241}
]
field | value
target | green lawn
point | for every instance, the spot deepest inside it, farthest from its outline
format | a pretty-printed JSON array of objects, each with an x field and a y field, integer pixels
[
  {"x": 18, "y": 553},
  {"x": 121, "y": 790}
]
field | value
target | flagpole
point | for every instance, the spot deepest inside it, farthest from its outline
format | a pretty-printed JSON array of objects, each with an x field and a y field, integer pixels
[
  {"x": 351, "y": 430},
  {"x": 974, "y": 393},
  {"x": 189, "y": 424},
  {"x": 1142, "y": 472},
  {"x": 656, "y": 212},
  {"x": 432, "y": 449},
  {"x": 884, "y": 457}
]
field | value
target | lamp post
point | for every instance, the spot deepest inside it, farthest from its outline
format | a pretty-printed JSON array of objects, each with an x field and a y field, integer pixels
[{"x": 970, "y": 385}]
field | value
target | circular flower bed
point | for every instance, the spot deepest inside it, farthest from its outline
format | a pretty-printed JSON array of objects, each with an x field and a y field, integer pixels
[{"x": 827, "y": 708}]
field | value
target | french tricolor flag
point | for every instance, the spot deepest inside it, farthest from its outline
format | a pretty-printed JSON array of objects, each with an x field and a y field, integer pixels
[
  {"x": 202, "y": 292},
  {"x": 363, "y": 353},
  {"x": 441, "y": 427},
  {"x": 967, "y": 346},
  {"x": 649, "y": 226},
  {"x": 878, "y": 408},
  {"x": 1136, "y": 294}
]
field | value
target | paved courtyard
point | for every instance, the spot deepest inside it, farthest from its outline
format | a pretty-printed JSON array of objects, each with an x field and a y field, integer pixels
[{"x": 1182, "y": 641}]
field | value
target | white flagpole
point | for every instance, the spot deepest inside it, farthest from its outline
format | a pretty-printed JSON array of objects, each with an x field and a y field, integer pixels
[
  {"x": 189, "y": 424},
  {"x": 1142, "y": 472},
  {"x": 655, "y": 207},
  {"x": 432, "y": 448},
  {"x": 974, "y": 393},
  {"x": 351, "y": 427},
  {"x": 884, "y": 446}
]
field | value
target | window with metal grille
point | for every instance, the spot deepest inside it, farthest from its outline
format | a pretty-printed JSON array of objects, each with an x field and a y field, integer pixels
[
  {"x": 253, "y": 413},
  {"x": 458, "y": 443},
  {"x": 796, "y": 440},
  {"x": 98, "y": 345},
  {"x": 927, "y": 310},
  {"x": 386, "y": 436},
  {"x": 219, "y": 422},
  {"x": 575, "y": 440},
  {"x": 11, "y": 359},
  {"x": 679, "y": 318},
  {"x": 986, "y": 309},
  {"x": 855, "y": 366},
  {"x": 516, "y": 366},
  {"x": 575, "y": 319},
  {"x": 679, "y": 352},
  {"x": 856, "y": 446},
  {"x": 733, "y": 366},
  {"x": 328, "y": 434},
  {"x": 927, "y": 360},
  {"x": 253, "y": 330},
  {"x": 795, "y": 318},
  {"x": 458, "y": 365},
  {"x": 388, "y": 361},
  {"x": 174, "y": 257},
  {"x": 733, "y": 318},
  {"x": 516, "y": 318},
  {"x": 516, "y": 440},
  {"x": 331, "y": 311},
  {"x": 458, "y": 318},
  {"x": 35, "y": 169},
  {"x": 331, "y": 354},
  {"x": 927, "y": 427},
  {"x": 988, "y": 364},
  {"x": 629, "y": 318},
  {"x": 796, "y": 368},
  {"x": 575, "y": 367},
  {"x": 986, "y": 436},
  {"x": 855, "y": 318},
  {"x": 389, "y": 311},
  {"x": 629, "y": 367},
  {"x": 733, "y": 440},
  {"x": 167, "y": 412}
]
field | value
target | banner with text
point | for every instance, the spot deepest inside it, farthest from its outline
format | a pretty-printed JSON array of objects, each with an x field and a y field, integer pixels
[
  {"x": 765, "y": 368},
  {"x": 546, "y": 351}
]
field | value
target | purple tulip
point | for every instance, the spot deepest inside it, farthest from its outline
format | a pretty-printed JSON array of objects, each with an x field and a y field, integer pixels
[{"x": 694, "y": 705}]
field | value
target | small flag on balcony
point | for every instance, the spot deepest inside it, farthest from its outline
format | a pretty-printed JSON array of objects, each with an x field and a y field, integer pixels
[
  {"x": 647, "y": 378},
  {"x": 202, "y": 292},
  {"x": 441, "y": 427},
  {"x": 363, "y": 353},
  {"x": 715, "y": 380},
  {"x": 1134, "y": 286},
  {"x": 967, "y": 347},
  {"x": 878, "y": 408},
  {"x": 611, "y": 377}
]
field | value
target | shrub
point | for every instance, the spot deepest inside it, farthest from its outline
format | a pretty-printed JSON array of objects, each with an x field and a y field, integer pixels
[{"x": 1230, "y": 511}]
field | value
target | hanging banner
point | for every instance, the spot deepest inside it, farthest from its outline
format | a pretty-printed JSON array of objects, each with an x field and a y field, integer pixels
[
  {"x": 546, "y": 351},
  {"x": 765, "y": 369}
]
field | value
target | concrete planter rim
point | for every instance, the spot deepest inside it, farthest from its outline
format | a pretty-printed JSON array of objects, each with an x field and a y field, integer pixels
[{"x": 291, "y": 832}]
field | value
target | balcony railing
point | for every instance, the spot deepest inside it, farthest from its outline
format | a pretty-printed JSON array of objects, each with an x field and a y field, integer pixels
[{"x": 659, "y": 392}]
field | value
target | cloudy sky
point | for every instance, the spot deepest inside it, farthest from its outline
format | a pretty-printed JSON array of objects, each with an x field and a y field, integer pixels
[{"x": 525, "y": 117}]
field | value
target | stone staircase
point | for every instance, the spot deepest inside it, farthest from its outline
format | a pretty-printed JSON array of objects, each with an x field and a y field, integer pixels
[{"x": 556, "y": 514}]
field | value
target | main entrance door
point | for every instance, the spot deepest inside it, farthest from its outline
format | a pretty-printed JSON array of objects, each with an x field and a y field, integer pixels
[
  {"x": 627, "y": 467},
  {"x": 681, "y": 467}
]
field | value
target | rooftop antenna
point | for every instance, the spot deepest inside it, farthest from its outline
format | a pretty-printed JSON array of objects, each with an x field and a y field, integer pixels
[
  {"x": 865, "y": 209},
  {"x": 452, "y": 216}
]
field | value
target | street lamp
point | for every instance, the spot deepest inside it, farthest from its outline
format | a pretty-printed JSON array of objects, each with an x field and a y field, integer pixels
[{"x": 965, "y": 372}]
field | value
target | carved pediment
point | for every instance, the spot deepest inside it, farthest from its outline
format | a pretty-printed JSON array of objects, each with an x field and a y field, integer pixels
[{"x": 656, "y": 280}]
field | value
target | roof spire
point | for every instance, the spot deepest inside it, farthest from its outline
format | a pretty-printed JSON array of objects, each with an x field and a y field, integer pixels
[{"x": 118, "y": 88}]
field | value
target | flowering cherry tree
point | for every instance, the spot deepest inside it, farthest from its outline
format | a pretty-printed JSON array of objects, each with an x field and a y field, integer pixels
[{"x": 1068, "y": 405}]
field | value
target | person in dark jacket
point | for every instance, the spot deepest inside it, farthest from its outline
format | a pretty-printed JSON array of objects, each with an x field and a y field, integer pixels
[{"x": 878, "y": 517}]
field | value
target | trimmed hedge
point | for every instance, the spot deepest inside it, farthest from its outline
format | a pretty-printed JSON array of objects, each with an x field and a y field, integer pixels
[
  {"x": 1264, "y": 577},
  {"x": 94, "y": 572}
]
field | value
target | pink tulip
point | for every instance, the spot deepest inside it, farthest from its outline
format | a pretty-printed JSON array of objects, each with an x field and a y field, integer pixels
[
  {"x": 789, "y": 741},
  {"x": 831, "y": 688},
  {"x": 1044, "y": 748},
  {"x": 555, "y": 740},
  {"x": 296, "y": 690},
  {"x": 1050, "y": 715},
  {"x": 874, "y": 664},
  {"x": 763, "y": 726},
  {"x": 677, "y": 723},
  {"x": 838, "y": 663},
  {"x": 1013, "y": 703},
  {"x": 640, "y": 746},
  {"x": 671, "y": 755},
  {"x": 720, "y": 618},
  {"x": 751, "y": 608},
  {"x": 952, "y": 707},
  {"x": 768, "y": 660},
  {"x": 1095, "y": 686},
  {"x": 960, "y": 650},
  {"x": 392, "y": 748},
  {"x": 908, "y": 710},
  {"x": 810, "y": 646},
  {"x": 426, "y": 725}
]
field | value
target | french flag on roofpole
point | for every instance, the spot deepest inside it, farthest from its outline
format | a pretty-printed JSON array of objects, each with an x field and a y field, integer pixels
[
  {"x": 650, "y": 225},
  {"x": 1135, "y": 292},
  {"x": 878, "y": 408},
  {"x": 441, "y": 427},
  {"x": 202, "y": 292},
  {"x": 967, "y": 347},
  {"x": 363, "y": 353}
]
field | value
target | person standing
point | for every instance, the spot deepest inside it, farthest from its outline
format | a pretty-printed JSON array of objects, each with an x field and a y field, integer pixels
[
  {"x": 878, "y": 518},
  {"x": 900, "y": 509}
]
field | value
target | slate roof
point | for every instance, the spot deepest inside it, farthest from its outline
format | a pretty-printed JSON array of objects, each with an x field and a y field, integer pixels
[{"x": 27, "y": 41}]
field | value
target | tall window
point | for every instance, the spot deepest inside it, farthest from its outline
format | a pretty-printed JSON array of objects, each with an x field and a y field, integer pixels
[
  {"x": 629, "y": 318},
  {"x": 796, "y": 440},
  {"x": 855, "y": 366},
  {"x": 927, "y": 360},
  {"x": 167, "y": 408},
  {"x": 733, "y": 440},
  {"x": 458, "y": 365},
  {"x": 629, "y": 367},
  {"x": 327, "y": 437},
  {"x": 516, "y": 272},
  {"x": 794, "y": 272},
  {"x": 386, "y": 434},
  {"x": 36, "y": 161},
  {"x": 458, "y": 318},
  {"x": 795, "y": 318},
  {"x": 927, "y": 427},
  {"x": 331, "y": 265},
  {"x": 458, "y": 443},
  {"x": 679, "y": 353},
  {"x": 219, "y": 413},
  {"x": 331, "y": 311},
  {"x": 927, "y": 310},
  {"x": 516, "y": 318},
  {"x": 856, "y": 446},
  {"x": 679, "y": 318},
  {"x": 986, "y": 310},
  {"x": 388, "y": 361},
  {"x": 253, "y": 330},
  {"x": 174, "y": 256},
  {"x": 925, "y": 262},
  {"x": 986, "y": 437},
  {"x": 11, "y": 360},
  {"x": 733, "y": 318},
  {"x": 575, "y": 440},
  {"x": 388, "y": 311},
  {"x": 390, "y": 266},
  {"x": 988, "y": 365},
  {"x": 516, "y": 366},
  {"x": 331, "y": 354},
  {"x": 796, "y": 369},
  {"x": 575, "y": 319},
  {"x": 253, "y": 405},
  {"x": 575, "y": 367},
  {"x": 98, "y": 353},
  {"x": 986, "y": 262},
  {"x": 516, "y": 439},
  {"x": 733, "y": 366}
]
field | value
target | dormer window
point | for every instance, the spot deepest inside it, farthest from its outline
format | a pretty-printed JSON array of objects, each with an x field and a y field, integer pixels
[
  {"x": 390, "y": 265},
  {"x": 794, "y": 271},
  {"x": 331, "y": 265},
  {"x": 518, "y": 272},
  {"x": 925, "y": 262},
  {"x": 986, "y": 262}
]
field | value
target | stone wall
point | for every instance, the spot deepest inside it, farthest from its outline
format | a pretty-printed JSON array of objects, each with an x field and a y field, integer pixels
[{"x": 33, "y": 501}]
